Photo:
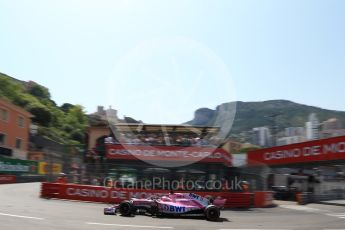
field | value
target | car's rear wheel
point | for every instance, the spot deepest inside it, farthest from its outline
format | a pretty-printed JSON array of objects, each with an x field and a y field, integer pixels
[
  {"x": 212, "y": 213},
  {"x": 126, "y": 208}
]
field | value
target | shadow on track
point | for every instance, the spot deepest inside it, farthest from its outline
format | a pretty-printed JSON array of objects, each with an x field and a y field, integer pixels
[{"x": 220, "y": 220}]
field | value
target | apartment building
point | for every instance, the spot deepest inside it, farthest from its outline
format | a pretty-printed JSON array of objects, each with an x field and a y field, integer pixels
[{"x": 14, "y": 130}]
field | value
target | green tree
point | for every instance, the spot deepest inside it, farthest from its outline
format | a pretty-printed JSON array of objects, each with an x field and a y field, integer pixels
[
  {"x": 39, "y": 91},
  {"x": 66, "y": 107},
  {"x": 64, "y": 124},
  {"x": 9, "y": 89},
  {"x": 76, "y": 117},
  {"x": 42, "y": 115},
  {"x": 78, "y": 135}
]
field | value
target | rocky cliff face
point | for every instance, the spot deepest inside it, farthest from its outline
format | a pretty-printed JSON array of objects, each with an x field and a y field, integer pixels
[
  {"x": 247, "y": 115},
  {"x": 203, "y": 116}
]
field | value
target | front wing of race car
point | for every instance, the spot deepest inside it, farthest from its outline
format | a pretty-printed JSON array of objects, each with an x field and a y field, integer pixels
[{"x": 110, "y": 210}]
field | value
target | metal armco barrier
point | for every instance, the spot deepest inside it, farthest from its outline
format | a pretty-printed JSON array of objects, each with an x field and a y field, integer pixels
[
  {"x": 7, "y": 179},
  {"x": 307, "y": 198},
  {"x": 263, "y": 199},
  {"x": 112, "y": 195},
  {"x": 304, "y": 198}
]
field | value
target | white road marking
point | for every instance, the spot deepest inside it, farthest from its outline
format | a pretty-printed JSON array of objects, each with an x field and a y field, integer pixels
[
  {"x": 254, "y": 229},
  {"x": 314, "y": 210},
  {"x": 17, "y": 216},
  {"x": 131, "y": 226},
  {"x": 336, "y": 214},
  {"x": 302, "y": 208}
]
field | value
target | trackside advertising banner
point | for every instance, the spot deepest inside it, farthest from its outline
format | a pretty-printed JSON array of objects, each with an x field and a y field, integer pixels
[
  {"x": 116, "y": 196},
  {"x": 48, "y": 168},
  {"x": 8, "y": 165},
  {"x": 319, "y": 150},
  {"x": 172, "y": 153}
]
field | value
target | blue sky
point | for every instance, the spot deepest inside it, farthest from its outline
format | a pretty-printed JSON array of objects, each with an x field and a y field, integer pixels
[{"x": 160, "y": 60}]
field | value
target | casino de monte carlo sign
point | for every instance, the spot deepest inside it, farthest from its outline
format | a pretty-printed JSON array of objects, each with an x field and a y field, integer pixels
[{"x": 312, "y": 151}]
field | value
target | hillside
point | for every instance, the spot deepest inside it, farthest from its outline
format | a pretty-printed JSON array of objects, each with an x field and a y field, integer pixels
[
  {"x": 256, "y": 114},
  {"x": 65, "y": 124}
]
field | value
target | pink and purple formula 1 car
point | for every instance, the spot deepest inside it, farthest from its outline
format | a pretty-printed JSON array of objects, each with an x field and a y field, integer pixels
[{"x": 175, "y": 204}]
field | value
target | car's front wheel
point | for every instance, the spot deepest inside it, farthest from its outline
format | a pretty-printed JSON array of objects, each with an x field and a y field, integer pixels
[
  {"x": 126, "y": 208},
  {"x": 212, "y": 213}
]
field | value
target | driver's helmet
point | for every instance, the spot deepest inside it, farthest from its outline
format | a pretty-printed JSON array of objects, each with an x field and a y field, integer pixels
[
  {"x": 165, "y": 198},
  {"x": 209, "y": 198}
]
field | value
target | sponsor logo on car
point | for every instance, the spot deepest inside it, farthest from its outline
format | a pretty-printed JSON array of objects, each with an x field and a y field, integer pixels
[
  {"x": 197, "y": 197},
  {"x": 173, "y": 209}
]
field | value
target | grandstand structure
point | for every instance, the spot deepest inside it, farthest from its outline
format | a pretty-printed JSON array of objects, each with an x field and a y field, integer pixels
[{"x": 139, "y": 152}]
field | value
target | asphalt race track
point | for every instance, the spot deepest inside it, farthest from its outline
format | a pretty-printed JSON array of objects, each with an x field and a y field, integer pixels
[{"x": 21, "y": 208}]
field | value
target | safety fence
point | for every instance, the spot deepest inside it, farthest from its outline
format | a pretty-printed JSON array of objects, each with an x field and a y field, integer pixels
[
  {"x": 115, "y": 196},
  {"x": 307, "y": 198}
]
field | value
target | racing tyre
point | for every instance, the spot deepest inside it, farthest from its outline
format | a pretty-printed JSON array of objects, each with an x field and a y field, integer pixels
[
  {"x": 212, "y": 213},
  {"x": 125, "y": 208}
]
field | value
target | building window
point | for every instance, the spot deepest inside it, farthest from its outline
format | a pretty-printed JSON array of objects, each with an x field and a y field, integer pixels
[
  {"x": 18, "y": 143},
  {"x": 2, "y": 139},
  {"x": 3, "y": 114},
  {"x": 21, "y": 122}
]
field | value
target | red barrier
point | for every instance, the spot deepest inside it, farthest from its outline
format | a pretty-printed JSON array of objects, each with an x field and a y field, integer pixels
[
  {"x": 50, "y": 190},
  {"x": 112, "y": 195},
  {"x": 7, "y": 179},
  {"x": 263, "y": 199}
]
